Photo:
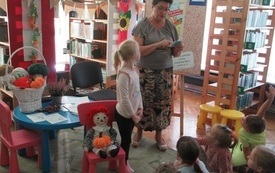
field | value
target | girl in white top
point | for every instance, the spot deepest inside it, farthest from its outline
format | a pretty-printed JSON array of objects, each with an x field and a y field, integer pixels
[{"x": 129, "y": 107}]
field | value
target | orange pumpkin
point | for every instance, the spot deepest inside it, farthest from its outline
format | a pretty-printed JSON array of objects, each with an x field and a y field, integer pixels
[
  {"x": 37, "y": 83},
  {"x": 102, "y": 141},
  {"x": 40, "y": 79}
]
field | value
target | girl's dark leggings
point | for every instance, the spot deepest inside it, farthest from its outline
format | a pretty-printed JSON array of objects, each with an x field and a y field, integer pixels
[{"x": 125, "y": 127}]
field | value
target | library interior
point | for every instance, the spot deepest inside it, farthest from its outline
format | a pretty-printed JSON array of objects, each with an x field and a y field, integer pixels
[{"x": 58, "y": 54}]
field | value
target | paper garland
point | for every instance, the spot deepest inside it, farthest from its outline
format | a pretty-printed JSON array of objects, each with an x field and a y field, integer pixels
[{"x": 124, "y": 20}]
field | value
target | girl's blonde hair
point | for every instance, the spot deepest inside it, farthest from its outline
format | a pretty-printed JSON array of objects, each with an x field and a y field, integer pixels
[
  {"x": 127, "y": 50},
  {"x": 265, "y": 158}
]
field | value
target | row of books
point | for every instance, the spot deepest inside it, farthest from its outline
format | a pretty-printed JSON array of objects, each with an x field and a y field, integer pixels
[
  {"x": 82, "y": 30},
  {"x": 248, "y": 79},
  {"x": 256, "y": 37},
  {"x": 244, "y": 100},
  {"x": 262, "y": 2},
  {"x": 91, "y": 30},
  {"x": 256, "y": 18},
  {"x": 4, "y": 55},
  {"x": 249, "y": 60},
  {"x": 81, "y": 48}
]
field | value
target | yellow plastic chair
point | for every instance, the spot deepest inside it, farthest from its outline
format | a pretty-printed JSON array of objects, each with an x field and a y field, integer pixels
[
  {"x": 206, "y": 109},
  {"x": 234, "y": 115}
]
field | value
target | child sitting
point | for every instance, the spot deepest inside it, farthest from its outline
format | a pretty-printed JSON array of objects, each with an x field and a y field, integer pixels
[
  {"x": 261, "y": 160},
  {"x": 217, "y": 144},
  {"x": 188, "y": 151},
  {"x": 252, "y": 133}
]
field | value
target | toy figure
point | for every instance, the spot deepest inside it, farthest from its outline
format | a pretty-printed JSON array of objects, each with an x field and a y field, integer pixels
[
  {"x": 3, "y": 74},
  {"x": 101, "y": 138}
]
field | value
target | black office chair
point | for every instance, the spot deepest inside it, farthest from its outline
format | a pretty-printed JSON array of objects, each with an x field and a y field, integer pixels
[{"x": 87, "y": 74}]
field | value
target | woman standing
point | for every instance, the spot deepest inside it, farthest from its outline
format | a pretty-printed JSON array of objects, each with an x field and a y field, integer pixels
[{"x": 155, "y": 35}]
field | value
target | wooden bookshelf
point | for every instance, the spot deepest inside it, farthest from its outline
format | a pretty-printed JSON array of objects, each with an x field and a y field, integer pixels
[
  {"x": 229, "y": 41},
  {"x": 4, "y": 34},
  {"x": 6, "y": 95},
  {"x": 90, "y": 41}
]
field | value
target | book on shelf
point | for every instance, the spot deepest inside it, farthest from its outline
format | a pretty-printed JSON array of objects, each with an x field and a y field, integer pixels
[
  {"x": 256, "y": 18},
  {"x": 255, "y": 39},
  {"x": 4, "y": 55},
  {"x": 249, "y": 61},
  {"x": 262, "y": 2},
  {"x": 1, "y": 56},
  {"x": 248, "y": 79},
  {"x": 88, "y": 30},
  {"x": 244, "y": 100}
]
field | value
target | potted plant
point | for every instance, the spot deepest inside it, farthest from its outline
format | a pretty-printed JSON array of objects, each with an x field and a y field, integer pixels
[{"x": 57, "y": 89}]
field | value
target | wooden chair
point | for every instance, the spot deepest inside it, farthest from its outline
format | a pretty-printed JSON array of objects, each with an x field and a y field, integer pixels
[
  {"x": 15, "y": 140},
  {"x": 90, "y": 159}
]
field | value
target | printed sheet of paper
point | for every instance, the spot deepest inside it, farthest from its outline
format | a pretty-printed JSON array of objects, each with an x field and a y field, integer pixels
[
  {"x": 38, "y": 117},
  {"x": 51, "y": 118},
  {"x": 55, "y": 118},
  {"x": 70, "y": 103},
  {"x": 184, "y": 61}
]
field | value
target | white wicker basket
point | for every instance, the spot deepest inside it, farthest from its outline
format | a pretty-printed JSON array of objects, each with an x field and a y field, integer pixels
[{"x": 29, "y": 99}]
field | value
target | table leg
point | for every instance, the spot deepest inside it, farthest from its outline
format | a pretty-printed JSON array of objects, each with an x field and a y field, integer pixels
[{"x": 46, "y": 160}]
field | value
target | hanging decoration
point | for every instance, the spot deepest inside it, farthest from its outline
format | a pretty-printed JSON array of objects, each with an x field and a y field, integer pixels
[
  {"x": 114, "y": 2},
  {"x": 97, "y": 10},
  {"x": 33, "y": 15},
  {"x": 124, "y": 5},
  {"x": 123, "y": 20},
  {"x": 55, "y": 3}
]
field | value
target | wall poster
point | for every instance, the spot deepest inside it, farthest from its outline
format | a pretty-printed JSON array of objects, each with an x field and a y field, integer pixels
[
  {"x": 176, "y": 15},
  {"x": 197, "y": 2}
]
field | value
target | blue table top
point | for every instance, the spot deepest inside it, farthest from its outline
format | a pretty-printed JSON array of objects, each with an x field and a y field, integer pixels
[{"x": 22, "y": 119}]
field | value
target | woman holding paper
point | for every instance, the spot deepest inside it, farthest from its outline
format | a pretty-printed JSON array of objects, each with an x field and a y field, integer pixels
[{"x": 155, "y": 35}]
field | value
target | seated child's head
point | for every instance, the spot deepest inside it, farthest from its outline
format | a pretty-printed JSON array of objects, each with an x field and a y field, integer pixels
[
  {"x": 253, "y": 124},
  {"x": 165, "y": 168},
  {"x": 188, "y": 150},
  {"x": 262, "y": 160},
  {"x": 222, "y": 136}
]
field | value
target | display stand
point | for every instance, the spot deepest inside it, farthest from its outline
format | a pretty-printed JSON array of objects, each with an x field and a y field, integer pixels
[
  {"x": 180, "y": 76},
  {"x": 180, "y": 64}
]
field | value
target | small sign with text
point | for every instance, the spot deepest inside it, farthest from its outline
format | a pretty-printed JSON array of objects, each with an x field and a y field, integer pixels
[{"x": 184, "y": 61}]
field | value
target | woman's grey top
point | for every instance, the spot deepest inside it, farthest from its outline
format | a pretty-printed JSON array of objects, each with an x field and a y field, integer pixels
[{"x": 160, "y": 58}]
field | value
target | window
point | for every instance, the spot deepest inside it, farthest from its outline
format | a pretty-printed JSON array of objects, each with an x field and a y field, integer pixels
[{"x": 61, "y": 25}]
